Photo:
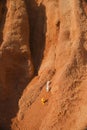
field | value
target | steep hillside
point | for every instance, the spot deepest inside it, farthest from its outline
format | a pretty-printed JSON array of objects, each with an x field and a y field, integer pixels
[{"x": 43, "y": 40}]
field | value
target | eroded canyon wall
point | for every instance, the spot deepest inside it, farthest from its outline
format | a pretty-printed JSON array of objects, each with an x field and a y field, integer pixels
[
  {"x": 45, "y": 39},
  {"x": 15, "y": 58}
]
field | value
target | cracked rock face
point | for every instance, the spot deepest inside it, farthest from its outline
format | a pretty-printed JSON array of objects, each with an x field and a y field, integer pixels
[
  {"x": 15, "y": 57},
  {"x": 41, "y": 41}
]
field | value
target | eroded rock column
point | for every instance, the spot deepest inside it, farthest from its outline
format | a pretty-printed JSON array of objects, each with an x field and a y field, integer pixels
[{"x": 15, "y": 64}]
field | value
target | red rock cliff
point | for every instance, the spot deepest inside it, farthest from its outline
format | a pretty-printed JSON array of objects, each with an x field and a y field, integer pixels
[{"x": 44, "y": 41}]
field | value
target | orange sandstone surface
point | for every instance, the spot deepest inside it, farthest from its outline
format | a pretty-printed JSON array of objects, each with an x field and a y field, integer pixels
[{"x": 40, "y": 41}]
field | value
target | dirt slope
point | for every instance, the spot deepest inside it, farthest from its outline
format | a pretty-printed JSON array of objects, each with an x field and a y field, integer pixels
[{"x": 43, "y": 40}]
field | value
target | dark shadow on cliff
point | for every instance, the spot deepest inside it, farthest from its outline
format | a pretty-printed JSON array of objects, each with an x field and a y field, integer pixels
[
  {"x": 9, "y": 105},
  {"x": 38, "y": 28},
  {"x": 3, "y": 11},
  {"x": 13, "y": 87},
  {"x": 83, "y": 5}
]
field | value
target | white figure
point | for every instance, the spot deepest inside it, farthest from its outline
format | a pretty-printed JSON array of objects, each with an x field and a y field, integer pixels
[{"x": 48, "y": 86}]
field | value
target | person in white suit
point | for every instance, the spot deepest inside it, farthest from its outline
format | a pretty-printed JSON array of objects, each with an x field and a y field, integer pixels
[{"x": 48, "y": 86}]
